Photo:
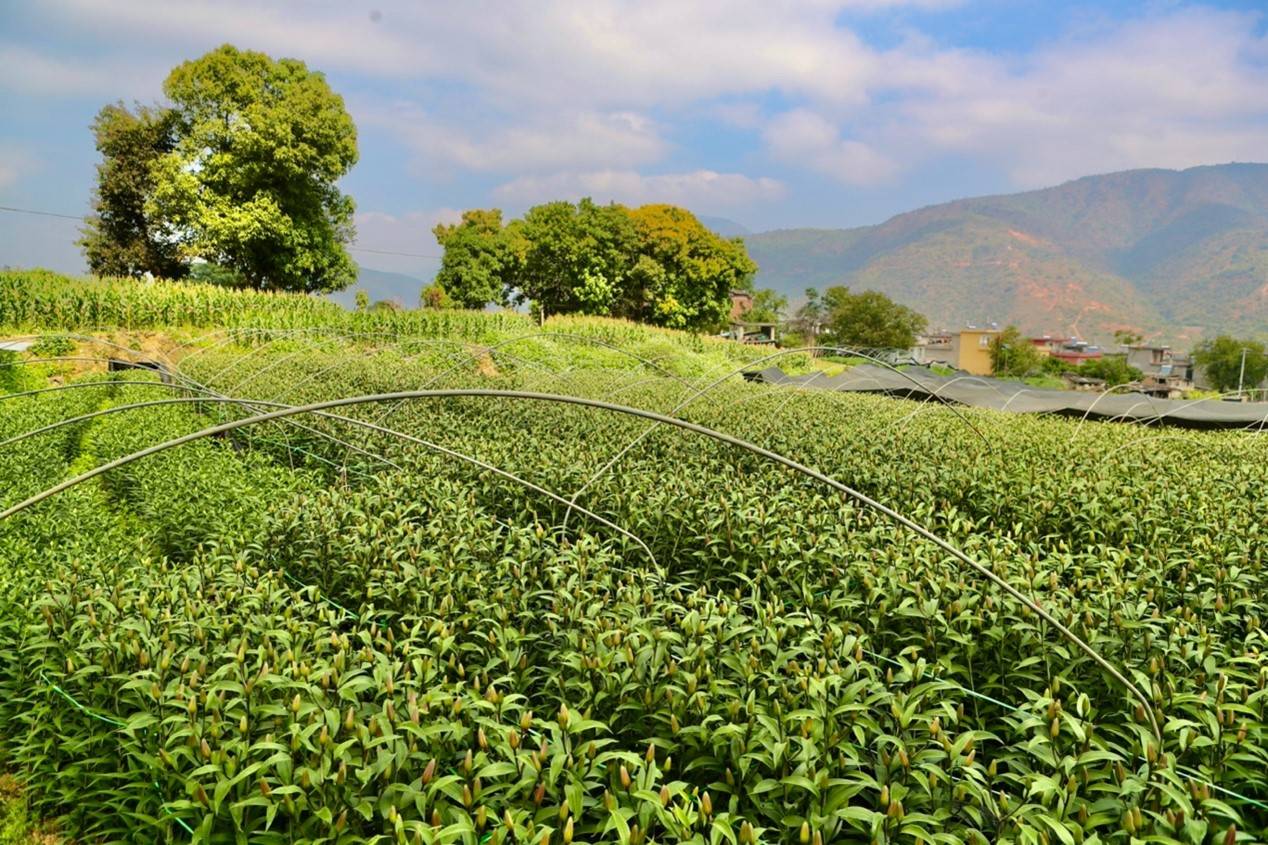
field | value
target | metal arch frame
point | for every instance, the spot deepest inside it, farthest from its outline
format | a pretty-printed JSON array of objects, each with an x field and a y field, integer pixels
[
  {"x": 61, "y": 359},
  {"x": 205, "y": 394},
  {"x": 169, "y": 366},
  {"x": 101, "y": 412},
  {"x": 312, "y": 337},
  {"x": 472, "y": 356},
  {"x": 659, "y": 419},
  {"x": 1088, "y": 412},
  {"x": 734, "y": 372},
  {"x": 80, "y": 385},
  {"x": 87, "y": 338}
]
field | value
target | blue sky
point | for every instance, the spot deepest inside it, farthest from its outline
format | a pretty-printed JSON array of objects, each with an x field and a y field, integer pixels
[{"x": 774, "y": 114}]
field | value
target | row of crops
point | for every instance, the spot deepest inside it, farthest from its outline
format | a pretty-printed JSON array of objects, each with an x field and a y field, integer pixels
[
  {"x": 308, "y": 630},
  {"x": 40, "y": 300}
]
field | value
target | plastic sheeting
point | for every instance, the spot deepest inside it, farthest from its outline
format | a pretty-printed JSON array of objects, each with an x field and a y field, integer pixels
[{"x": 1003, "y": 395}]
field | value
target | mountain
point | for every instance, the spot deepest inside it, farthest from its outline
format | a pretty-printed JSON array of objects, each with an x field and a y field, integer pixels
[
  {"x": 381, "y": 284},
  {"x": 724, "y": 227},
  {"x": 1171, "y": 254}
]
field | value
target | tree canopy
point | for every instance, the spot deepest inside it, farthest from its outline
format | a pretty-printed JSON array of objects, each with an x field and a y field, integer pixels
[
  {"x": 1012, "y": 354},
  {"x": 249, "y": 181},
  {"x": 685, "y": 273},
  {"x": 476, "y": 262},
  {"x": 573, "y": 258},
  {"x": 768, "y": 306},
  {"x": 1221, "y": 359},
  {"x": 867, "y": 320},
  {"x": 119, "y": 239},
  {"x": 1112, "y": 369},
  {"x": 656, "y": 264}
]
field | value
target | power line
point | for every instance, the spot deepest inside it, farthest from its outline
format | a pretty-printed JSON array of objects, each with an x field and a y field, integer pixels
[
  {"x": 40, "y": 213},
  {"x": 389, "y": 252},
  {"x": 352, "y": 248}
]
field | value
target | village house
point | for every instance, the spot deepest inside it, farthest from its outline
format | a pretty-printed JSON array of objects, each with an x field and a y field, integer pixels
[
  {"x": 934, "y": 348},
  {"x": 1166, "y": 374},
  {"x": 744, "y": 331},
  {"x": 971, "y": 349}
]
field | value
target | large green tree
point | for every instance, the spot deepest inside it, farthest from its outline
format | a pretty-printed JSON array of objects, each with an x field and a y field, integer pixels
[
  {"x": 479, "y": 263},
  {"x": 655, "y": 264},
  {"x": 1221, "y": 359},
  {"x": 119, "y": 238},
  {"x": 572, "y": 258},
  {"x": 685, "y": 272},
  {"x": 868, "y": 320},
  {"x": 251, "y": 182}
]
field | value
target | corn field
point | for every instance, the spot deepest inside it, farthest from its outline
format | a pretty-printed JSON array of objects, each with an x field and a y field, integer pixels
[
  {"x": 37, "y": 300},
  {"x": 558, "y": 591}
]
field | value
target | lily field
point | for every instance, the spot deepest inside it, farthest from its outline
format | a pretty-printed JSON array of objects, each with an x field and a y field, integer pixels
[{"x": 462, "y": 578}]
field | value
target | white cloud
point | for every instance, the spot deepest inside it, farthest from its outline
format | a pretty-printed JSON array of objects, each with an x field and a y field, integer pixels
[
  {"x": 28, "y": 71},
  {"x": 589, "y": 55},
  {"x": 703, "y": 190},
  {"x": 409, "y": 232},
  {"x": 577, "y": 140},
  {"x": 803, "y": 137},
  {"x": 15, "y": 164},
  {"x": 588, "y": 94},
  {"x": 1174, "y": 90},
  {"x": 1186, "y": 88},
  {"x": 332, "y": 35}
]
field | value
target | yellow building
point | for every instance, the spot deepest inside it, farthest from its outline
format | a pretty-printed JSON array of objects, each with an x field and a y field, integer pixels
[{"x": 971, "y": 350}]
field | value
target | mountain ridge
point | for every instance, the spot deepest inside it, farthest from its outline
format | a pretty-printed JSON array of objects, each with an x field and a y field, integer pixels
[{"x": 1172, "y": 254}]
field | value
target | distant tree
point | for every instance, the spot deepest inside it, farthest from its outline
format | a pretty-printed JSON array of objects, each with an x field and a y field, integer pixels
[
  {"x": 868, "y": 320},
  {"x": 251, "y": 181},
  {"x": 479, "y": 263},
  {"x": 1014, "y": 355},
  {"x": 685, "y": 272},
  {"x": 1124, "y": 337},
  {"x": 363, "y": 300},
  {"x": 204, "y": 272},
  {"x": 435, "y": 296},
  {"x": 807, "y": 320},
  {"x": 1221, "y": 359},
  {"x": 382, "y": 305},
  {"x": 1113, "y": 369},
  {"x": 119, "y": 238},
  {"x": 768, "y": 307}
]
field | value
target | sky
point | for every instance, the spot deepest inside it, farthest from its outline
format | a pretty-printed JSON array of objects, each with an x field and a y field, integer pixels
[{"x": 774, "y": 114}]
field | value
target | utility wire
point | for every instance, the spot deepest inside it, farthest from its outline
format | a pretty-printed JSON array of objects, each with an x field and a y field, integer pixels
[
  {"x": 38, "y": 213},
  {"x": 390, "y": 252}
]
